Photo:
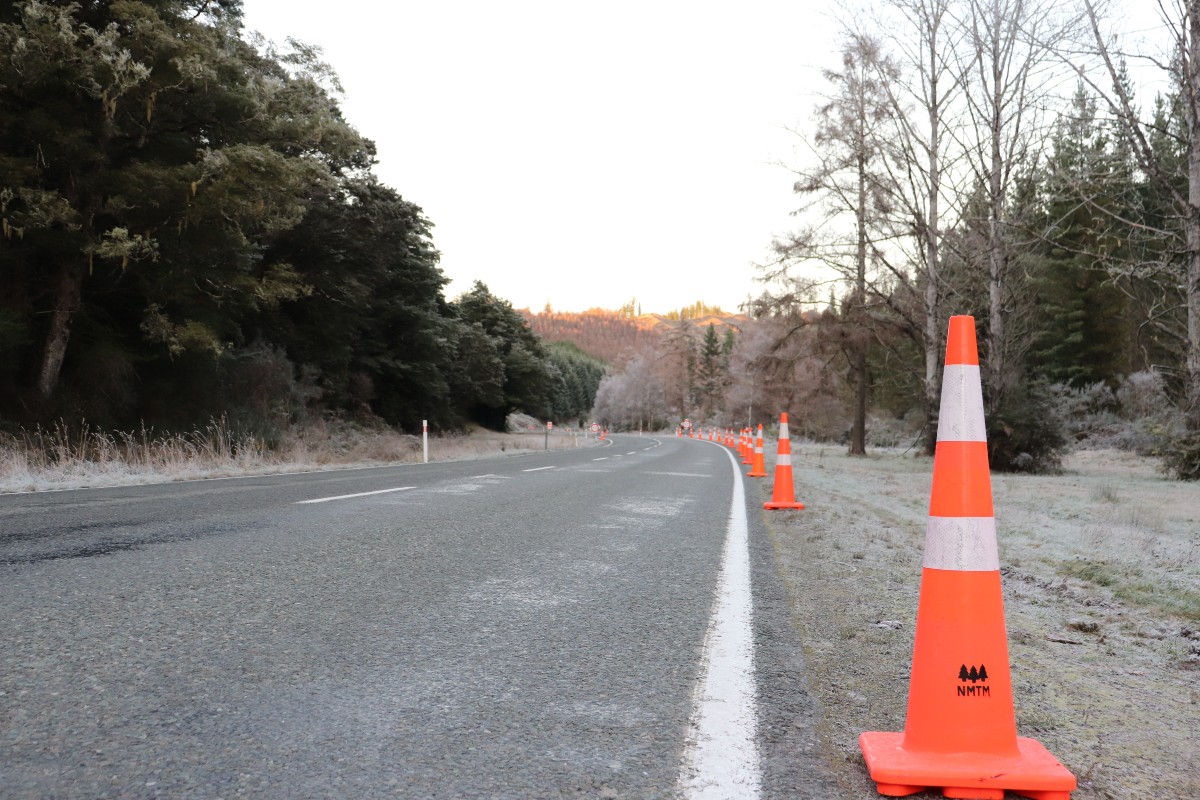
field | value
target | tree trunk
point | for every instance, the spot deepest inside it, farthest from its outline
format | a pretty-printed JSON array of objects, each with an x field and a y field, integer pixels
[
  {"x": 859, "y": 338},
  {"x": 1193, "y": 221},
  {"x": 997, "y": 246},
  {"x": 67, "y": 294},
  {"x": 933, "y": 334}
]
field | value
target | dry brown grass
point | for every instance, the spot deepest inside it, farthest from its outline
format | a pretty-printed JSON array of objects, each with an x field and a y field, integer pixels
[{"x": 66, "y": 457}]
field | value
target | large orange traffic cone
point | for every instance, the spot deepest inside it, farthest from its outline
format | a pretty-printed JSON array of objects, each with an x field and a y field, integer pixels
[
  {"x": 960, "y": 734},
  {"x": 783, "y": 494},
  {"x": 758, "y": 469}
]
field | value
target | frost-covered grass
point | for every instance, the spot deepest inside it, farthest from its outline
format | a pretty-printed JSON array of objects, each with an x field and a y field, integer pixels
[
  {"x": 66, "y": 457},
  {"x": 1100, "y": 569}
]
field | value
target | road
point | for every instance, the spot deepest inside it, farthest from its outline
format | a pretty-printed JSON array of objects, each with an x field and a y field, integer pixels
[{"x": 529, "y": 626}]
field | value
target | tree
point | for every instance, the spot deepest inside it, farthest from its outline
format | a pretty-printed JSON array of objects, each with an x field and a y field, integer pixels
[
  {"x": 710, "y": 373},
  {"x": 527, "y": 378},
  {"x": 1172, "y": 172},
  {"x": 1081, "y": 333},
  {"x": 147, "y": 158},
  {"x": 372, "y": 314},
  {"x": 851, "y": 145},
  {"x": 633, "y": 397},
  {"x": 926, "y": 40},
  {"x": 577, "y": 378},
  {"x": 679, "y": 374},
  {"x": 1002, "y": 69}
]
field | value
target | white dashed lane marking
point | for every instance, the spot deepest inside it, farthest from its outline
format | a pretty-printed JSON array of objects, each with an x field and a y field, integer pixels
[{"x": 348, "y": 496}]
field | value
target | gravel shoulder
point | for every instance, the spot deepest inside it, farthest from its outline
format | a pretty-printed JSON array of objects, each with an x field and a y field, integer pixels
[{"x": 1101, "y": 575}]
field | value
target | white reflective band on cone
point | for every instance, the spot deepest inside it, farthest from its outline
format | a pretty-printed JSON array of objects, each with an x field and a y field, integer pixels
[
  {"x": 961, "y": 416},
  {"x": 783, "y": 431},
  {"x": 967, "y": 544},
  {"x": 783, "y": 460}
]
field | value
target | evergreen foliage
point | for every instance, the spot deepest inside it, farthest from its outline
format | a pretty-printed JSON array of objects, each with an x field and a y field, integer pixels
[{"x": 190, "y": 228}]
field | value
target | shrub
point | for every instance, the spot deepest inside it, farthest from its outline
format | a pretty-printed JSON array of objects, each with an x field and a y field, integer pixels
[
  {"x": 1136, "y": 416},
  {"x": 1181, "y": 457},
  {"x": 1026, "y": 434}
]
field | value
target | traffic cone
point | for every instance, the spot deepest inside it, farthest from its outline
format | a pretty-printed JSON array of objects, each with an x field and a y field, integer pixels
[
  {"x": 758, "y": 468},
  {"x": 783, "y": 494},
  {"x": 747, "y": 447},
  {"x": 960, "y": 733}
]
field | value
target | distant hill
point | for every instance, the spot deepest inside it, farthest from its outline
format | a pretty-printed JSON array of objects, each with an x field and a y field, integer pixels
[{"x": 614, "y": 335}]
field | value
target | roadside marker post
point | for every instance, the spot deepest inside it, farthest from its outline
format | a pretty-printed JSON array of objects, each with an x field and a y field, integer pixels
[{"x": 425, "y": 440}]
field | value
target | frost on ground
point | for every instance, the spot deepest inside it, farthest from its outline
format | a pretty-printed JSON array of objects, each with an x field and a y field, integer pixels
[{"x": 1101, "y": 574}]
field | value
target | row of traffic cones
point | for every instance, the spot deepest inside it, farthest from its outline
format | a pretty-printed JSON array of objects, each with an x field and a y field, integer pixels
[
  {"x": 750, "y": 450},
  {"x": 960, "y": 730}
]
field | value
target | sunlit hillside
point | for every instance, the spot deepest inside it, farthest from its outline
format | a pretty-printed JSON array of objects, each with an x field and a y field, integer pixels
[{"x": 615, "y": 335}]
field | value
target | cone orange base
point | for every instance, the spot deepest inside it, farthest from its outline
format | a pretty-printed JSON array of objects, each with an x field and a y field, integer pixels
[
  {"x": 775, "y": 504},
  {"x": 1033, "y": 772}
]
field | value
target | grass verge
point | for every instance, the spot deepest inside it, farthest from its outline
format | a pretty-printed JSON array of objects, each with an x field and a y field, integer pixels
[{"x": 66, "y": 457}]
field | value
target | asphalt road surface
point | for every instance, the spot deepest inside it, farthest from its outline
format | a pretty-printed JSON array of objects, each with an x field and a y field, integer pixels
[{"x": 529, "y": 626}]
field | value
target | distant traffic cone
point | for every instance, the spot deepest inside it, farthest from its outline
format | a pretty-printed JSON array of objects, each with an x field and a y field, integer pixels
[
  {"x": 960, "y": 734},
  {"x": 758, "y": 468},
  {"x": 783, "y": 494},
  {"x": 747, "y": 447}
]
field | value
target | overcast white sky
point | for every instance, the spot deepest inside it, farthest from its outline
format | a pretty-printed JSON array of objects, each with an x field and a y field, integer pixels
[{"x": 581, "y": 154}]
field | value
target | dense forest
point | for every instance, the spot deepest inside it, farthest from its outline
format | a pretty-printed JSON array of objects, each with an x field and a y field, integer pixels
[
  {"x": 190, "y": 228},
  {"x": 983, "y": 157}
]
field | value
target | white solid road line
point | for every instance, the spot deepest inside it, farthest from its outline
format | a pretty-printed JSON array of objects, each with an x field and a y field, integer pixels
[
  {"x": 721, "y": 759},
  {"x": 536, "y": 469},
  {"x": 347, "y": 496},
  {"x": 602, "y": 458}
]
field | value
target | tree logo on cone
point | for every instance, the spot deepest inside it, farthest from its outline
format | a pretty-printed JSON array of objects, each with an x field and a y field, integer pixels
[{"x": 976, "y": 676}]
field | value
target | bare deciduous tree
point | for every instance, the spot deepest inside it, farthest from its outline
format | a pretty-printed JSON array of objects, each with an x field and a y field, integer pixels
[
  {"x": 1004, "y": 68},
  {"x": 924, "y": 100}
]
